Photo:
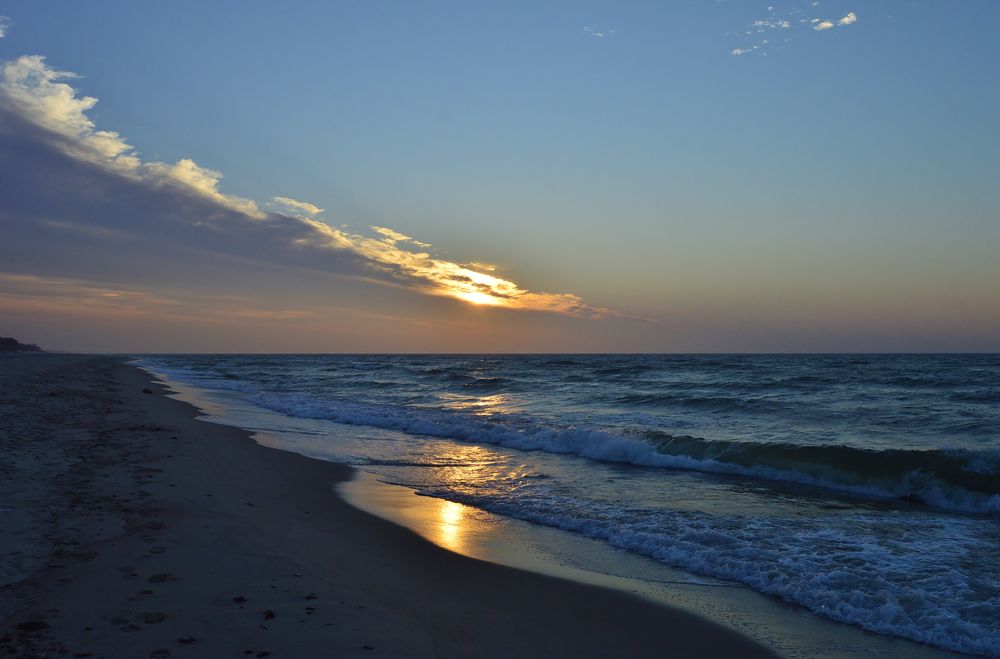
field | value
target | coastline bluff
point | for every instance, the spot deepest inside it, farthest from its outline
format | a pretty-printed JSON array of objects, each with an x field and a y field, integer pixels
[{"x": 8, "y": 344}]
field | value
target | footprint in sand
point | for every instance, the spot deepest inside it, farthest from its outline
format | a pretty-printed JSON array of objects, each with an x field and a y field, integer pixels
[
  {"x": 163, "y": 577},
  {"x": 154, "y": 617}
]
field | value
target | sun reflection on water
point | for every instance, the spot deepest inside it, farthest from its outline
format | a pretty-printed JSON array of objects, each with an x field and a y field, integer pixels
[
  {"x": 482, "y": 405},
  {"x": 465, "y": 469}
]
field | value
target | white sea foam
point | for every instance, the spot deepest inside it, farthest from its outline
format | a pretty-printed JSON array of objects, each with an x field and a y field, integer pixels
[{"x": 835, "y": 568}]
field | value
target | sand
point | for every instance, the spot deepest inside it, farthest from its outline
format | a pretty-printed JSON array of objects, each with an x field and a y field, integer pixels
[{"x": 129, "y": 528}]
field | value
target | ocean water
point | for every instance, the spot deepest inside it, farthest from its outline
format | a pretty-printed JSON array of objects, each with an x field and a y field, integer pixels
[{"x": 864, "y": 488}]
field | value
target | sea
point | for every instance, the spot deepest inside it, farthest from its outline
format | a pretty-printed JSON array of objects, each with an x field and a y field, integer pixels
[{"x": 864, "y": 489}]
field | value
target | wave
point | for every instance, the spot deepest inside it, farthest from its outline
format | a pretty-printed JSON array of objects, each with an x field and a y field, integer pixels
[
  {"x": 960, "y": 479},
  {"x": 377, "y": 384},
  {"x": 623, "y": 370},
  {"x": 949, "y": 478},
  {"x": 830, "y": 567},
  {"x": 977, "y": 397},
  {"x": 561, "y": 361},
  {"x": 488, "y": 383},
  {"x": 715, "y": 403},
  {"x": 381, "y": 462}
]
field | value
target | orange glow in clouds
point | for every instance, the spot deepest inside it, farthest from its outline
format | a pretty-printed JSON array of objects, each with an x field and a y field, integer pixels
[
  {"x": 34, "y": 91},
  {"x": 477, "y": 298}
]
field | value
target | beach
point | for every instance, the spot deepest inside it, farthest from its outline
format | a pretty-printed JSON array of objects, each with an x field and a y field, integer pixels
[{"x": 131, "y": 528}]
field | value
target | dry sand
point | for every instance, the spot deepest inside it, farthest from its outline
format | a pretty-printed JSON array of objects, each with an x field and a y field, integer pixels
[{"x": 128, "y": 528}]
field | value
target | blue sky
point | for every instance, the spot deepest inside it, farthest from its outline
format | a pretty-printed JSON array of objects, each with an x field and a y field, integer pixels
[{"x": 628, "y": 153}]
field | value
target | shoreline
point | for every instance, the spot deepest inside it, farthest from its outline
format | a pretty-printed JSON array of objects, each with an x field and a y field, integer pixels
[
  {"x": 785, "y": 628},
  {"x": 180, "y": 537}
]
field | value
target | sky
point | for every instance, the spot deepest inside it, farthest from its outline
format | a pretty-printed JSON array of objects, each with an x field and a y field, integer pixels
[{"x": 692, "y": 176}]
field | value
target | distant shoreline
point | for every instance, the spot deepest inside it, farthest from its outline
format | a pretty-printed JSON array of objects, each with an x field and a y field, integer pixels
[{"x": 11, "y": 345}]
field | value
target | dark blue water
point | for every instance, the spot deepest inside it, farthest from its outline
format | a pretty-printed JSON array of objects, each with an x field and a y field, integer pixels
[{"x": 865, "y": 488}]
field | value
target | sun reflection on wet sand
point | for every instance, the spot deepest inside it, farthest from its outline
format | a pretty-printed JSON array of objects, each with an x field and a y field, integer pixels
[
  {"x": 451, "y": 525},
  {"x": 454, "y": 526}
]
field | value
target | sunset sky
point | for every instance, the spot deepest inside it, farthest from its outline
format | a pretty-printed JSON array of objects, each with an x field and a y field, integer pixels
[{"x": 494, "y": 177}]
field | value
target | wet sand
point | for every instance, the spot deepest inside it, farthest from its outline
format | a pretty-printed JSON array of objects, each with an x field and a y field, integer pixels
[{"x": 130, "y": 528}]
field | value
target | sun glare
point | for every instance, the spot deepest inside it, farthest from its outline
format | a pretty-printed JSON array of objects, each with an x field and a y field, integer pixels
[
  {"x": 451, "y": 524},
  {"x": 476, "y": 297}
]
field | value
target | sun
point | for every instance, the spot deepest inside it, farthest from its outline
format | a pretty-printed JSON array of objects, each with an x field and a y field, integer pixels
[{"x": 475, "y": 297}]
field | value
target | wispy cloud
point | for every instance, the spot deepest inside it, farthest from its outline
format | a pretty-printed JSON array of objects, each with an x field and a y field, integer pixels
[
  {"x": 289, "y": 205},
  {"x": 183, "y": 201},
  {"x": 598, "y": 33},
  {"x": 4, "y": 26},
  {"x": 768, "y": 24},
  {"x": 61, "y": 291},
  {"x": 390, "y": 236},
  {"x": 63, "y": 296}
]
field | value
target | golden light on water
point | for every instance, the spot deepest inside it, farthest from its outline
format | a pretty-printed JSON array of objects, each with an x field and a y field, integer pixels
[
  {"x": 451, "y": 525},
  {"x": 481, "y": 405},
  {"x": 448, "y": 524}
]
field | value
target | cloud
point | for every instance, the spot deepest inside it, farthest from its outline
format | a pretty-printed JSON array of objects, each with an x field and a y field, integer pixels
[
  {"x": 62, "y": 292},
  {"x": 4, "y": 26},
  {"x": 36, "y": 92},
  {"x": 849, "y": 19},
  {"x": 766, "y": 24},
  {"x": 792, "y": 23},
  {"x": 188, "y": 174},
  {"x": 593, "y": 31},
  {"x": 65, "y": 296},
  {"x": 757, "y": 47},
  {"x": 441, "y": 277},
  {"x": 391, "y": 237},
  {"x": 85, "y": 199},
  {"x": 289, "y": 205},
  {"x": 31, "y": 88}
]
